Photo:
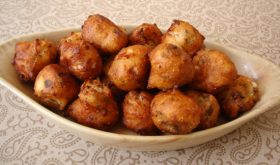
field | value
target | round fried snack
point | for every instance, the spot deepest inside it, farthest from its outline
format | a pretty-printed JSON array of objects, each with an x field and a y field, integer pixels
[
  {"x": 175, "y": 113},
  {"x": 81, "y": 58},
  {"x": 32, "y": 56},
  {"x": 55, "y": 87},
  {"x": 185, "y": 36},
  {"x": 95, "y": 106},
  {"x": 88, "y": 115},
  {"x": 137, "y": 113},
  {"x": 239, "y": 97},
  {"x": 104, "y": 34},
  {"x": 145, "y": 34},
  {"x": 95, "y": 93},
  {"x": 210, "y": 108},
  {"x": 213, "y": 71},
  {"x": 130, "y": 68},
  {"x": 170, "y": 67}
]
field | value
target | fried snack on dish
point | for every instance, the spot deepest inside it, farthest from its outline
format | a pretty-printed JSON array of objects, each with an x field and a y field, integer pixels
[
  {"x": 81, "y": 58},
  {"x": 213, "y": 71},
  {"x": 210, "y": 108},
  {"x": 55, "y": 87},
  {"x": 104, "y": 34},
  {"x": 175, "y": 113},
  {"x": 170, "y": 67},
  {"x": 130, "y": 68},
  {"x": 96, "y": 93},
  {"x": 137, "y": 113},
  {"x": 145, "y": 34},
  {"x": 32, "y": 56},
  {"x": 95, "y": 106},
  {"x": 239, "y": 97},
  {"x": 185, "y": 36}
]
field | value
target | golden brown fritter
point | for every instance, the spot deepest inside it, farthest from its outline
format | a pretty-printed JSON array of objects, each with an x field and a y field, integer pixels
[
  {"x": 145, "y": 34},
  {"x": 185, "y": 36},
  {"x": 130, "y": 68},
  {"x": 81, "y": 58},
  {"x": 32, "y": 56},
  {"x": 175, "y": 113},
  {"x": 210, "y": 108},
  {"x": 170, "y": 67},
  {"x": 137, "y": 113},
  {"x": 213, "y": 71},
  {"x": 239, "y": 97},
  {"x": 103, "y": 118},
  {"x": 55, "y": 87},
  {"x": 95, "y": 106},
  {"x": 95, "y": 92},
  {"x": 104, "y": 34}
]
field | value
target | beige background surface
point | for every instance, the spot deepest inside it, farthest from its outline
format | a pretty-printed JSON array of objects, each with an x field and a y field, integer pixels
[{"x": 27, "y": 137}]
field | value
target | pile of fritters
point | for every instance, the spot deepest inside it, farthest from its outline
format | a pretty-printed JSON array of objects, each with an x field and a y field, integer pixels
[{"x": 152, "y": 82}]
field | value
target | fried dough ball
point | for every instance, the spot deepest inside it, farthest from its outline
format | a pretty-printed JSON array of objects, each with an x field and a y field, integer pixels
[
  {"x": 95, "y": 92},
  {"x": 55, "y": 87},
  {"x": 175, "y": 113},
  {"x": 81, "y": 58},
  {"x": 95, "y": 106},
  {"x": 239, "y": 97},
  {"x": 185, "y": 36},
  {"x": 130, "y": 68},
  {"x": 104, "y": 34},
  {"x": 137, "y": 113},
  {"x": 210, "y": 108},
  {"x": 145, "y": 34},
  {"x": 214, "y": 70},
  {"x": 91, "y": 116},
  {"x": 32, "y": 56},
  {"x": 170, "y": 67}
]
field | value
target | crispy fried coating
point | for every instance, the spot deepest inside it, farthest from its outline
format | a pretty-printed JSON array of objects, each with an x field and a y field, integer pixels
[
  {"x": 95, "y": 106},
  {"x": 185, "y": 36},
  {"x": 145, "y": 34},
  {"x": 104, "y": 34},
  {"x": 175, "y": 113},
  {"x": 130, "y": 68},
  {"x": 32, "y": 56},
  {"x": 239, "y": 97},
  {"x": 170, "y": 67},
  {"x": 81, "y": 58},
  {"x": 103, "y": 118},
  {"x": 210, "y": 108},
  {"x": 213, "y": 71},
  {"x": 137, "y": 113},
  {"x": 55, "y": 87}
]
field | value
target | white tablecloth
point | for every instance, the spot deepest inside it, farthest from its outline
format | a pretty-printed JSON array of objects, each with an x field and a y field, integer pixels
[{"x": 27, "y": 137}]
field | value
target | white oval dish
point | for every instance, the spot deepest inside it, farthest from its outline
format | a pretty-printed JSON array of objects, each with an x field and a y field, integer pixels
[{"x": 264, "y": 72}]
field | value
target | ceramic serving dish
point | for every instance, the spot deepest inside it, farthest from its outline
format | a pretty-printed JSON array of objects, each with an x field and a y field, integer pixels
[{"x": 264, "y": 72}]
